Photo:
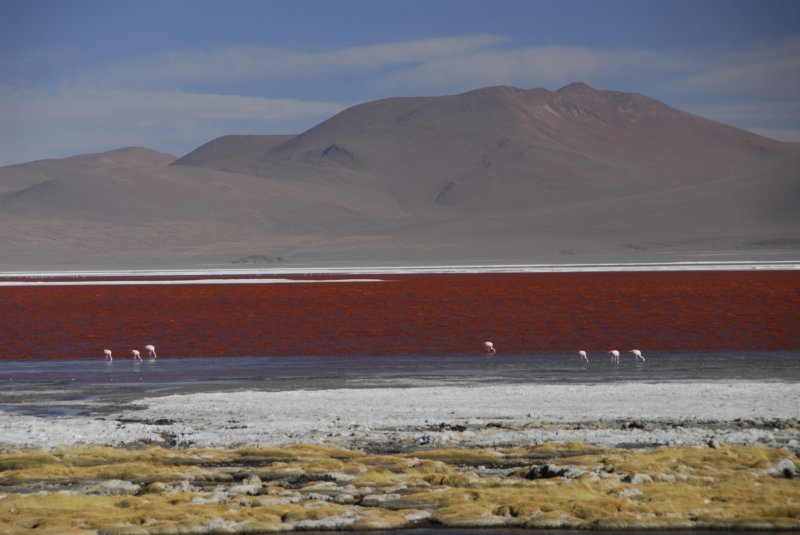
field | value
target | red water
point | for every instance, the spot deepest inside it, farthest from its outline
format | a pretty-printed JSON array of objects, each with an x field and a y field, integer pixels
[{"x": 423, "y": 314}]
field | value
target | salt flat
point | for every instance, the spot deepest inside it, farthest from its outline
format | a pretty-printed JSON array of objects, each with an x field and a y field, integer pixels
[
  {"x": 672, "y": 413},
  {"x": 139, "y": 282},
  {"x": 732, "y": 265}
]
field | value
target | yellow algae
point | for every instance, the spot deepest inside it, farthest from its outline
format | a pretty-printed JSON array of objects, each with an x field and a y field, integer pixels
[
  {"x": 99, "y": 455},
  {"x": 315, "y": 466},
  {"x": 460, "y": 456},
  {"x": 299, "y": 451},
  {"x": 700, "y": 459},
  {"x": 266, "y": 454},
  {"x": 310, "y": 487},
  {"x": 390, "y": 470},
  {"x": 309, "y": 511},
  {"x": 381, "y": 519},
  {"x": 114, "y": 514},
  {"x": 572, "y": 445},
  {"x": 25, "y": 459},
  {"x": 426, "y": 466},
  {"x": 468, "y": 514},
  {"x": 392, "y": 463},
  {"x": 380, "y": 477},
  {"x": 328, "y": 451},
  {"x": 131, "y": 471},
  {"x": 450, "y": 480}
]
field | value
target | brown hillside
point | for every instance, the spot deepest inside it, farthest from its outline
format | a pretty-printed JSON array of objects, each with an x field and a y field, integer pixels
[{"x": 495, "y": 174}]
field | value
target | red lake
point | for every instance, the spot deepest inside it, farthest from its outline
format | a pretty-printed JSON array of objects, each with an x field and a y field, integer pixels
[{"x": 427, "y": 314}]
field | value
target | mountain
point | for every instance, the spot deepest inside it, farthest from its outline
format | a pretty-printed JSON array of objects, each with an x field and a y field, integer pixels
[
  {"x": 17, "y": 177},
  {"x": 495, "y": 174},
  {"x": 491, "y": 147},
  {"x": 230, "y": 153}
]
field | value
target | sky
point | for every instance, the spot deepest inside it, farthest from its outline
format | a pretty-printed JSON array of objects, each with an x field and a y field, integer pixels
[{"x": 82, "y": 76}]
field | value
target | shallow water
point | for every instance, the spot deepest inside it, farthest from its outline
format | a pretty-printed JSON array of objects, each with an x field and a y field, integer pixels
[
  {"x": 70, "y": 387},
  {"x": 276, "y": 373}
]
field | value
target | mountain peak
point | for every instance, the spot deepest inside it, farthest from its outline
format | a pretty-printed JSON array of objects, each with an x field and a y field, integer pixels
[
  {"x": 135, "y": 156},
  {"x": 576, "y": 88}
]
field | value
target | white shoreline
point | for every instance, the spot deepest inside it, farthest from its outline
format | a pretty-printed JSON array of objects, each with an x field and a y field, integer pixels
[
  {"x": 177, "y": 282},
  {"x": 732, "y": 265},
  {"x": 674, "y": 413}
]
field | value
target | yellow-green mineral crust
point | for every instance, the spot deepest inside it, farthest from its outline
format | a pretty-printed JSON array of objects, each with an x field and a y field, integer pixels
[{"x": 575, "y": 485}]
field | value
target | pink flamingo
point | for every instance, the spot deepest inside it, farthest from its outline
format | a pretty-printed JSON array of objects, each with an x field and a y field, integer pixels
[
  {"x": 637, "y": 354},
  {"x": 614, "y": 355},
  {"x": 488, "y": 347},
  {"x": 107, "y": 353},
  {"x": 136, "y": 356},
  {"x": 584, "y": 357},
  {"x": 151, "y": 351}
]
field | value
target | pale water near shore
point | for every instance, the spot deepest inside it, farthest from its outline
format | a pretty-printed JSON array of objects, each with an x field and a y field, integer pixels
[{"x": 59, "y": 387}]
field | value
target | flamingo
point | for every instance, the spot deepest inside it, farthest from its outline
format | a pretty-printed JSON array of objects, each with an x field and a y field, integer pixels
[
  {"x": 136, "y": 356},
  {"x": 151, "y": 351},
  {"x": 637, "y": 354},
  {"x": 614, "y": 355},
  {"x": 488, "y": 347},
  {"x": 584, "y": 358},
  {"x": 107, "y": 353}
]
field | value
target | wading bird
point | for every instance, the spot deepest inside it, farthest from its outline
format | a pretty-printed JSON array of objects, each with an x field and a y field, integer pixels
[
  {"x": 488, "y": 347},
  {"x": 584, "y": 358},
  {"x": 151, "y": 351},
  {"x": 637, "y": 354},
  {"x": 107, "y": 353},
  {"x": 136, "y": 356},
  {"x": 614, "y": 355}
]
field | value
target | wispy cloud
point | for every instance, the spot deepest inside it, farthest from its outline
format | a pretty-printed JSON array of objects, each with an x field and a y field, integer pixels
[
  {"x": 548, "y": 66},
  {"x": 782, "y": 134},
  {"x": 38, "y": 124},
  {"x": 773, "y": 78},
  {"x": 157, "y": 100},
  {"x": 771, "y": 70},
  {"x": 776, "y": 119},
  {"x": 236, "y": 63},
  {"x": 779, "y": 113},
  {"x": 755, "y": 88},
  {"x": 425, "y": 65}
]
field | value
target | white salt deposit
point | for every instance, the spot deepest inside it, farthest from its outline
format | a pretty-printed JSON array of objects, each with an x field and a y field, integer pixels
[
  {"x": 717, "y": 265},
  {"x": 175, "y": 282},
  {"x": 520, "y": 414}
]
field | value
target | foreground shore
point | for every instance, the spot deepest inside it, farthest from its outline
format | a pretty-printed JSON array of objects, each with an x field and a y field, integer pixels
[
  {"x": 671, "y": 455},
  {"x": 255, "y": 490}
]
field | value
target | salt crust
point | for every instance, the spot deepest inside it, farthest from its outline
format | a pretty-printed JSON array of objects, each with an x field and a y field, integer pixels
[
  {"x": 674, "y": 413},
  {"x": 688, "y": 265}
]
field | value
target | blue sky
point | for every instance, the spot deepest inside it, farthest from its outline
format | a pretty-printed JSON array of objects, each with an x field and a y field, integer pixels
[{"x": 81, "y": 76}]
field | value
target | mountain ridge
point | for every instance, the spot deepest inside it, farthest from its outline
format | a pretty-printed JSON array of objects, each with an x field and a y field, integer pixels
[
  {"x": 627, "y": 133},
  {"x": 497, "y": 172}
]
